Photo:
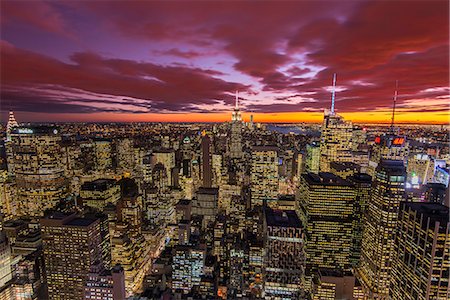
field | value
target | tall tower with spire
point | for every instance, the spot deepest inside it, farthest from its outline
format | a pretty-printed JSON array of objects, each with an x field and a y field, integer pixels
[
  {"x": 236, "y": 131},
  {"x": 336, "y": 136},
  {"x": 12, "y": 123}
]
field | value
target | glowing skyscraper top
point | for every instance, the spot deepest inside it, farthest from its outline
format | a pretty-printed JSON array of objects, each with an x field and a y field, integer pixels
[{"x": 333, "y": 94}]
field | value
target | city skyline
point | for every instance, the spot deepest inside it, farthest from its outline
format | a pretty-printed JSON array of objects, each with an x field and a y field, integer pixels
[{"x": 183, "y": 62}]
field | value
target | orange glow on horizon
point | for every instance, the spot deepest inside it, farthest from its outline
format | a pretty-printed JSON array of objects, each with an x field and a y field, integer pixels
[{"x": 382, "y": 117}]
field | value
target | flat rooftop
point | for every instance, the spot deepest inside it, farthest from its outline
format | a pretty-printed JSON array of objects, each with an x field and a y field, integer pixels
[
  {"x": 282, "y": 218},
  {"x": 325, "y": 178},
  {"x": 432, "y": 210}
]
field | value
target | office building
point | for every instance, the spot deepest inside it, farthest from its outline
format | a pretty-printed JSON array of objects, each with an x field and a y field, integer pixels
[
  {"x": 72, "y": 249},
  {"x": 284, "y": 261},
  {"x": 187, "y": 267},
  {"x": 99, "y": 193},
  {"x": 363, "y": 184},
  {"x": 106, "y": 285},
  {"x": 377, "y": 246},
  {"x": 264, "y": 179},
  {"x": 312, "y": 157},
  {"x": 421, "y": 259},
  {"x": 335, "y": 141},
  {"x": 38, "y": 167},
  {"x": 326, "y": 204}
]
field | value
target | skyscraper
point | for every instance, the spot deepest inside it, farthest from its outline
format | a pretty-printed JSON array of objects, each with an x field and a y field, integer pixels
[
  {"x": 363, "y": 184},
  {"x": 377, "y": 250},
  {"x": 38, "y": 166},
  {"x": 284, "y": 263},
  {"x": 326, "y": 208},
  {"x": 421, "y": 255},
  {"x": 264, "y": 175},
  {"x": 236, "y": 131},
  {"x": 335, "y": 141},
  {"x": 72, "y": 249},
  {"x": 206, "y": 161},
  {"x": 336, "y": 137}
]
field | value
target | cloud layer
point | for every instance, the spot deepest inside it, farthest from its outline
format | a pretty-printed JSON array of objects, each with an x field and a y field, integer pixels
[{"x": 164, "y": 57}]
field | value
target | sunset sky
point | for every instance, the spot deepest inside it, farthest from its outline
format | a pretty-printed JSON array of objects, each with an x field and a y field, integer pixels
[{"x": 183, "y": 61}]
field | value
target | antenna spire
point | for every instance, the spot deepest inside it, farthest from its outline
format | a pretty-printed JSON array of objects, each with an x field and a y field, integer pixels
[
  {"x": 333, "y": 94},
  {"x": 237, "y": 101},
  {"x": 393, "y": 107}
]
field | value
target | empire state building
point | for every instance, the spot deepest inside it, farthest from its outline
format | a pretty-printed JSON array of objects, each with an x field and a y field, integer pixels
[{"x": 236, "y": 131}]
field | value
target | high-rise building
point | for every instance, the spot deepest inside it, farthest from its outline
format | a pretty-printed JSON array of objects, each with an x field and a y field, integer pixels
[
  {"x": 187, "y": 267},
  {"x": 264, "y": 175},
  {"x": 5, "y": 260},
  {"x": 167, "y": 159},
  {"x": 72, "y": 249},
  {"x": 99, "y": 193},
  {"x": 206, "y": 161},
  {"x": 421, "y": 254},
  {"x": 284, "y": 263},
  {"x": 326, "y": 204},
  {"x": 38, "y": 167},
  {"x": 312, "y": 157},
  {"x": 103, "y": 155},
  {"x": 336, "y": 137},
  {"x": 363, "y": 185},
  {"x": 236, "y": 131},
  {"x": 106, "y": 285},
  {"x": 388, "y": 189},
  {"x": 387, "y": 147},
  {"x": 335, "y": 141},
  {"x": 206, "y": 204}
]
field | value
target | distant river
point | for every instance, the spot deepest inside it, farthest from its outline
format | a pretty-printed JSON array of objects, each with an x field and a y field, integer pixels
[{"x": 294, "y": 129}]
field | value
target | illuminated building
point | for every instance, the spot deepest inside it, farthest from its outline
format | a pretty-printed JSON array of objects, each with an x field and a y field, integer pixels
[
  {"x": 103, "y": 157},
  {"x": 421, "y": 254},
  {"x": 285, "y": 258},
  {"x": 99, "y": 193},
  {"x": 125, "y": 154},
  {"x": 106, "y": 285},
  {"x": 236, "y": 132},
  {"x": 72, "y": 249},
  {"x": 335, "y": 141},
  {"x": 11, "y": 125},
  {"x": 264, "y": 175},
  {"x": 387, "y": 147},
  {"x": 435, "y": 192},
  {"x": 417, "y": 168},
  {"x": 335, "y": 138},
  {"x": 206, "y": 204},
  {"x": 226, "y": 193},
  {"x": 363, "y": 184},
  {"x": 312, "y": 157},
  {"x": 377, "y": 247},
  {"x": 5, "y": 260},
  {"x": 38, "y": 167},
  {"x": 167, "y": 159},
  {"x": 344, "y": 169},
  {"x": 187, "y": 267},
  {"x": 216, "y": 163},
  {"x": 326, "y": 204},
  {"x": 331, "y": 285}
]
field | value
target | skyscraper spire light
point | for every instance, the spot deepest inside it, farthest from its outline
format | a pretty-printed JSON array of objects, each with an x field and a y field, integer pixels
[
  {"x": 333, "y": 94},
  {"x": 237, "y": 101}
]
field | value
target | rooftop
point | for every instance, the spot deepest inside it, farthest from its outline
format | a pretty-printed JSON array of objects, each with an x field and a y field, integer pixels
[
  {"x": 325, "y": 178},
  {"x": 282, "y": 218},
  {"x": 436, "y": 212}
]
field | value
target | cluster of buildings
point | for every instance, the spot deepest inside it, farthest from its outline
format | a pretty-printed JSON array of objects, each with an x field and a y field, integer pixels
[{"x": 222, "y": 211}]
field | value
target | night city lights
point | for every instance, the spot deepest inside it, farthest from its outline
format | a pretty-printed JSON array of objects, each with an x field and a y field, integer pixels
[{"x": 274, "y": 150}]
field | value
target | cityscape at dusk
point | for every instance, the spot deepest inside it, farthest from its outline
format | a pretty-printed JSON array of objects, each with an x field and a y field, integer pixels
[{"x": 254, "y": 150}]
